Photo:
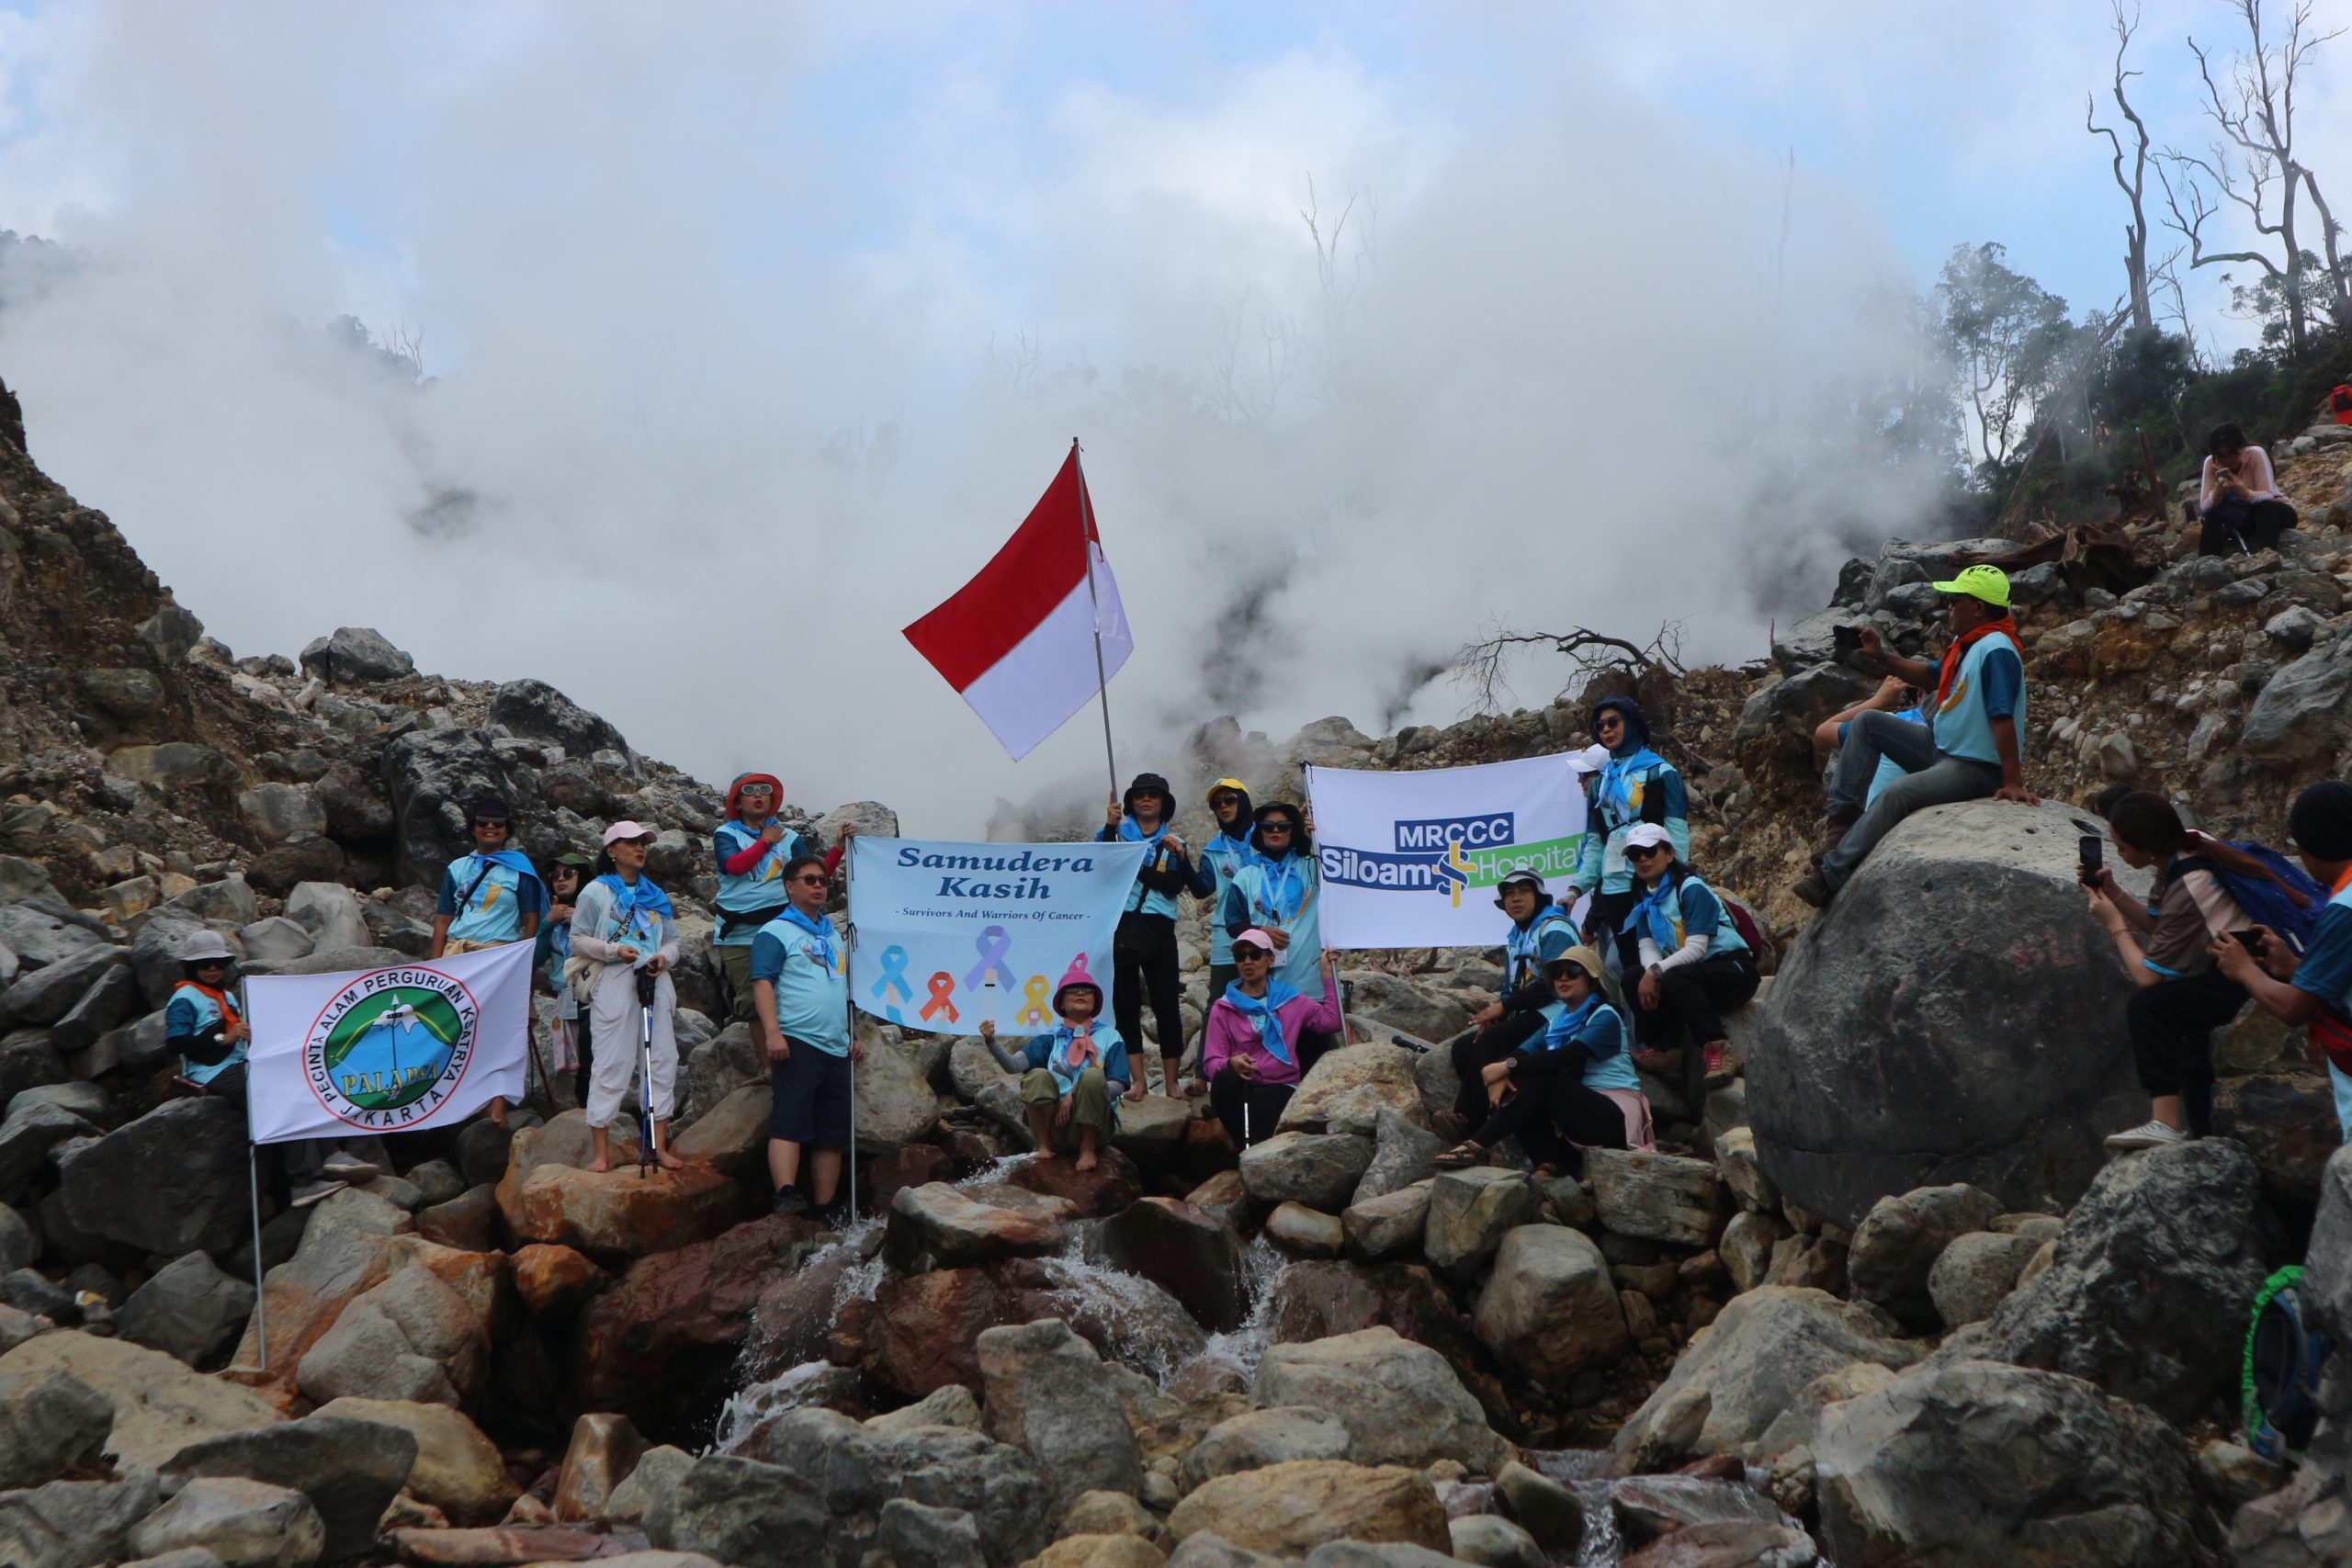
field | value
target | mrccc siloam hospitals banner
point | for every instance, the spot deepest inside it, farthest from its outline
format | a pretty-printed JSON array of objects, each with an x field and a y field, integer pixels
[
  {"x": 1411, "y": 860},
  {"x": 950, "y": 934},
  {"x": 392, "y": 1050}
]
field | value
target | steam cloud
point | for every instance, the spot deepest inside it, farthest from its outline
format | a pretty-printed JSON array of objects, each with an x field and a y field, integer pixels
[{"x": 734, "y": 376}]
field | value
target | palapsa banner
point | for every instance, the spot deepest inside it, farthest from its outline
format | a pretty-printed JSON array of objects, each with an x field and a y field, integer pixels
[
  {"x": 949, "y": 934},
  {"x": 390, "y": 1050},
  {"x": 1411, "y": 859}
]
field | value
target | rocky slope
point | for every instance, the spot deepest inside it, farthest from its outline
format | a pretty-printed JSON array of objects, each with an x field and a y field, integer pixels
[{"x": 1901, "y": 1259}]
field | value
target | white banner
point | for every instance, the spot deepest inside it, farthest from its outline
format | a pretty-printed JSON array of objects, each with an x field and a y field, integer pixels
[
  {"x": 1410, "y": 859},
  {"x": 949, "y": 934},
  {"x": 417, "y": 1046}
]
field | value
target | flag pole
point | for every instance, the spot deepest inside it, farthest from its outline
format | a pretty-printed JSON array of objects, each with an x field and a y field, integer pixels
[{"x": 1102, "y": 680}]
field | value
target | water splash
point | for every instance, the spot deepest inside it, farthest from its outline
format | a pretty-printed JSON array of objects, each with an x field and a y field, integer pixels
[
  {"x": 1235, "y": 1354},
  {"x": 749, "y": 1406}
]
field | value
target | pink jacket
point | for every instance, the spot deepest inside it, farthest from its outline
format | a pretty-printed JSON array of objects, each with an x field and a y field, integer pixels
[{"x": 1229, "y": 1035}]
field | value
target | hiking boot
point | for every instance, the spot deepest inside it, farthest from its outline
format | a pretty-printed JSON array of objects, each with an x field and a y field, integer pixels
[
  {"x": 1814, "y": 889},
  {"x": 2147, "y": 1136},
  {"x": 1833, "y": 833},
  {"x": 789, "y": 1201},
  {"x": 1650, "y": 1059},
  {"x": 310, "y": 1193},
  {"x": 1722, "y": 1066},
  {"x": 344, "y": 1165}
]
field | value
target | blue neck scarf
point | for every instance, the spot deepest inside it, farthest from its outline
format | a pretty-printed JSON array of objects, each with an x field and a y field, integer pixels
[
  {"x": 1264, "y": 1017},
  {"x": 1135, "y": 835},
  {"x": 515, "y": 861},
  {"x": 1238, "y": 849},
  {"x": 816, "y": 926},
  {"x": 1661, "y": 902},
  {"x": 1615, "y": 789},
  {"x": 1285, "y": 887},
  {"x": 1568, "y": 1023},
  {"x": 628, "y": 902}
]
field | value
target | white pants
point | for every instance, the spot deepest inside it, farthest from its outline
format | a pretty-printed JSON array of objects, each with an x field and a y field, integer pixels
[{"x": 616, "y": 1019}]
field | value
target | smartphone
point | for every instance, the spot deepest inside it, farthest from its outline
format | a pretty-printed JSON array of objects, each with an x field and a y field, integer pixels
[
  {"x": 2250, "y": 941},
  {"x": 1847, "y": 639},
  {"x": 2093, "y": 851}
]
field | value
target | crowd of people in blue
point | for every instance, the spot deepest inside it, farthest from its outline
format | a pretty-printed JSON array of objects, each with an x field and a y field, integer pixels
[{"x": 1636, "y": 960}]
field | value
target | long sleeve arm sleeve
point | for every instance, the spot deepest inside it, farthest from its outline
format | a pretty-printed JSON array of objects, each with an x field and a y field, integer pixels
[
  {"x": 587, "y": 920},
  {"x": 1010, "y": 1060}
]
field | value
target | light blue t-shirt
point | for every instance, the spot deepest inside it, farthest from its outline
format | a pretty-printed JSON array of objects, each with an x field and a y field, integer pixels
[
  {"x": 810, "y": 974},
  {"x": 1600, "y": 1033}
]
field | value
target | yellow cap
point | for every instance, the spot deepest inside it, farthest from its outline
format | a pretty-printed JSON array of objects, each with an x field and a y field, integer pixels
[
  {"x": 1236, "y": 785},
  {"x": 1989, "y": 583}
]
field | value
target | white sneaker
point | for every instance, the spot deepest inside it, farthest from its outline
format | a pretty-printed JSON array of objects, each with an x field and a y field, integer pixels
[
  {"x": 344, "y": 1165},
  {"x": 2148, "y": 1135},
  {"x": 306, "y": 1196}
]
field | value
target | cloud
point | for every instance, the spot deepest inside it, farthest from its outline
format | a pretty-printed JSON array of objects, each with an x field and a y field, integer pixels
[{"x": 755, "y": 336}]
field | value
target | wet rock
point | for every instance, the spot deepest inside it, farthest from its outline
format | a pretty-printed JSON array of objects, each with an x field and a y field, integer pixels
[
  {"x": 1401, "y": 1401},
  {"x": 553, "y": 1280},
  {"x": 188, "y": 1308},
  {"x": 1390, "y": 1225},
  {"x": 457, "y": 1470},
  {"x": 1289, "y": 1509},
  {"x": 1657, "y": 1197},
  {"x": 1759, "y": 1355},
  {"x": 603, "y": 1449},
  {"x": 1470, "y": 1212},
  {"x": 349, "y": 1470},
  {"x": 1549, "y": 1305},
  {"x": 51, "y": 1422},
  {"x": 1047, "y": 1392},
  {"x": 1318, "y": 1169},
  {"x": 2043, "y": 1462},
  {"x": 1495, "y": 1542},
  {"x": 1109, "y": 1188},
  {"x": 1548, "y": 1510},
  {"x": 1899, "y": 1240},
  {"x": 1185, "y": 1251},
  {"x": 1731, "y": 1543},
  {"x": 1976, "y": 1274},
  {"x": 246, "y": 1524},
  {"x": 1303, "y": 1232},
  {"x": 1901, "y": 1044},
  {"x": 655, "y": 1474},
  {"x": 170, "y": 1182},
  {"x": 2147, "y": 1293},
  {"x": 958, "y": 1227}
]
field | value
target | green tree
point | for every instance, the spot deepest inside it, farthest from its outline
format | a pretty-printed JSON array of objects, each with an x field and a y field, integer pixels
[{"x": 2007, "y": 336}]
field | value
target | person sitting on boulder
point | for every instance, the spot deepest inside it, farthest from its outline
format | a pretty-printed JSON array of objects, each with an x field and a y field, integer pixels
[
  {"x": 1894, "y": 696},
  {"x": 489, "y": 897},
  {"x": 749, "y": 850},
  {"x": 1070, "y": 1079},
  {"x": 204, "y": 1025},
  {"x": 1251, "y": 1044},
  {"x": 1540, "y": 931},
  {"x": 2313, "y": 987},
  {"x": 550, "y": 952},
  {"x": 1144, "y": 954},
  {"x": 1278, "y": 894},
  {"x": 1635, "y": 784},
  {"x": 1695, "y": 966},
  {"x": 800, "y": 991},
  {"x": 626, "y": 926},
  {"x": 2168, "y": 945},
  {"x": 2237, "y": 497},
  {"x": 1968, "y": 750},
  {"x": 1568, "y": 1091}
]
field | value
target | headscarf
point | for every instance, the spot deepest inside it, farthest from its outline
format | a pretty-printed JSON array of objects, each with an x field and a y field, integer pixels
[
  {"x": 1264, "y": 1015},
  {"x": 2321, "y": 821},
  {"x": 1613, "y": 789}
]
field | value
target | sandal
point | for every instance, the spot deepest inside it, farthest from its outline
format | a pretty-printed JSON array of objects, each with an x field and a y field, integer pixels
[
  {"x": 1545, "y": 1172},
  {"x": 1461, "y": 1156}
]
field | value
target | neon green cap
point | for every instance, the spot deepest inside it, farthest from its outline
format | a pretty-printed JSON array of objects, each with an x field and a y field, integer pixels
[{"x": 1989, "y": 583}]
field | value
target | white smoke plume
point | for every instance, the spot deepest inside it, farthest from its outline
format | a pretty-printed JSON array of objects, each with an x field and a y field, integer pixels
[{"x": 733, "y": 376}]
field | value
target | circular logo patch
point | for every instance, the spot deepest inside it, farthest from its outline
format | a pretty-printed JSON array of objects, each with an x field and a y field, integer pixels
[{"x": 390, "y": 1047}]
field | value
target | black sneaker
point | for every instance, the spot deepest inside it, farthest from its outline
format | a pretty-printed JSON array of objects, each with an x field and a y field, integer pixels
[
  {"x": 789, "y": 1201},
  {"x": 835, "y": 1214}
]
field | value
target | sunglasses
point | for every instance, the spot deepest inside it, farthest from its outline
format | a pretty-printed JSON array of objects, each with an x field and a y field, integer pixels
[
  {"x": 814, "y": 880},
  {"x": 1277, "y": 826},
  {"x": 755, "y": 789},
  {"x": 498, "y": 822},
  {"x": 1643, "y": 852},
  {"x": 1244, "y": 954}
]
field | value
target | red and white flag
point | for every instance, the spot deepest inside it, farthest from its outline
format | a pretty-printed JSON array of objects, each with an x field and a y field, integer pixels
[{"x": 1018, "y": 640}]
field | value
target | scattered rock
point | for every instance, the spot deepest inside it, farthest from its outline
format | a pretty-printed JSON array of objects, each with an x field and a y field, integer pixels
[
  {"x": 1899, "y": 1240},
  {"x": 1346, "y": 1090},
  {"x": 1657, "y": 1197},
  {"x": 1549, "y": 1306},
  {"x": 1469, "y": 1213},
  {"x": 457, "y": 1470},
  {"x": 160, "y": 1404},
  {"x": 188, "y": 1307},
  {"x": 72, "y": 1524},
  {"x": 1389, "y": 1225},
  {"x": 355, "y": 656},
  {"x": 349, "y": 1470},
  {"x": 1048, "y": 1393},
  {"x": 1318, "y": 1169},
  {"x": 1303, "y": 1232},
  {"x": 1256, "y": 1438},
  {"x": 1185, "y": 1252},
  {"x": 1289, "y": 1509},
  {"x": 955, "y": 1227},
  {"x": 171, "y": 1182},
  {"x": 246, "y": 1524},
  {"x": 1976, "y": 1273},
  {"x": 51, "y": 1422},
  {"x": 1400, "y": 1402}
]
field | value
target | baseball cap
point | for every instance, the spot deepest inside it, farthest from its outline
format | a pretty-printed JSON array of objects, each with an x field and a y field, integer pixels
[
  {"x": 1989, "y": 583},
  {"x": 1645, "y": 834},
  {"x": 1591, "y": 759},
  {"x": 626, "y": 829},
  {"x": 1254, "y": 937}
]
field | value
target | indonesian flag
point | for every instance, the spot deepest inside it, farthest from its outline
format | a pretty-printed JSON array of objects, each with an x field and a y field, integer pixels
[{"x": 1018, "y": 640}]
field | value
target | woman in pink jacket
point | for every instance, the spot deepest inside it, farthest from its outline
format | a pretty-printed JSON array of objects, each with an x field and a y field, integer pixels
[{"x": 1250, "y": 1046}]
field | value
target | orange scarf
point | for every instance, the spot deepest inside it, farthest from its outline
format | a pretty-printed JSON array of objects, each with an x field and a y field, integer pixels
[
  {"x": 1958, "y": 651},
  {"x": 221, "y": 1000}
]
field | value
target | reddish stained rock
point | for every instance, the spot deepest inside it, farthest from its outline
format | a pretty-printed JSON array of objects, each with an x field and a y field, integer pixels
[
  {"x": 959, "y": 1226},
  {"x": 555, "y": 1279},
  {"x": 796, "y": 1312},
  {"x": 917, "y": 1165},
  {"x": 921, "y": 1332},
  {"x": 666, "y": 1337},
  {"x": 618, "y": 1214},
  {"x": 1208, "y": 1148},
  {"x": 469, "y": 1221},
  {"x": 1184, "y": 1250},
  {"x": 1110, "y": 1187}
]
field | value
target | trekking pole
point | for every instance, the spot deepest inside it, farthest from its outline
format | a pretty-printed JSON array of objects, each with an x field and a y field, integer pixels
[
  {"x": 646, "y": 1134},
  {"x": 849, "y": 947}
]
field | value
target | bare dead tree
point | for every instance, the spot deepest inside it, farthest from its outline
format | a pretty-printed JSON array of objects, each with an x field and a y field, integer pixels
[
  {"x": 1337, "y": 274},
  {"x": 408, "y": 347},
  {"x": 2135, "y": 234},
  {"x": 2254, "y": 107},
  {"x": 1482, "y": 666},
  {"x": 1013, "y": 367},
  {"x": 1236, "y": 390}
]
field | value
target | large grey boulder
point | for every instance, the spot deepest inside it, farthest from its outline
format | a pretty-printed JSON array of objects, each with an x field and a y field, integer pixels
[
  {"x": 1258, "y": 1437},
  {"x": 1400, "y": 1402},
  {"x": 410, "y": 1338},
  {"x": 740, "y": 1510},
  {"x": 38, "y": 936},
  {"x": 113, "y": 996},
  {"x": 1977, "y": 1462},
  {"x": 1403, "y": 1152},
  {"x": 2299, "y": 715},
  {"x": 72, "y": 1524},
  {"x": 1757, "y": 1356},
  {"x": 1899, "y": 1240},
  {"x": 1954, "y": 1016},
  {"x": 28, "y": 1134},
  {"x": 2146, "y": 1296},
  {"x": 49, "y": 993},
  {"x": 49, "y": 1423},
  {"x": 1318, "y": 1169},
  {"x": 330, "y": 912},
  {"x": 350, "y": 655},
  {"x": 246, "y": 1524},
  {"x": 1657, "y": 1197},
  {"x": 1469, "y": 1213},
  {"x": 1550, "y": 1305},
  {"x": 349, "y": 1470},
  {"x": 171, "y": 1182},
  {"x": 1046, "y": 1391},
  {"x": 537, "y": 710},
  {"x": 1347, "y": 1089},
  {"x": 188, "y": 1307},
  {"x": 431, "y": 775}
]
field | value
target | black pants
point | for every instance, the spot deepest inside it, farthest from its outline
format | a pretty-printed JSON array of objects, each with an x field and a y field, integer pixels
[
  {"x": 1551, "y": 1115},
  {"x": 1606, "y": 915},
  {"x": 1479, "y": 1049},
  {"x": 1690, "y": 1014},
  {"x": 1230, "y": 1094},
  {"x": 1143, "y": 957},
  {"x": 2171, "y": 1024},
  {"x": 2257, "y": 522},
  {"x": 586, "y": 1045}
]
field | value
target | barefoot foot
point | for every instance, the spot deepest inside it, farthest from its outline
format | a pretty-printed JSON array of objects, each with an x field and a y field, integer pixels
[
  {"x": 598, "y": 1165},
  {"x": 669, "y": 1161},
  {"x": 1086, "y": 1160}
]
